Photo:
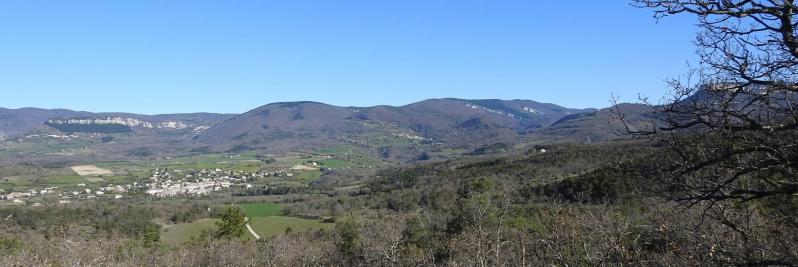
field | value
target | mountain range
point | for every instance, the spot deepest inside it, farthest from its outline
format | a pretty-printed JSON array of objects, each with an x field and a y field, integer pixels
[
  {"x": 296, "y": 125},
  {"x": 15, "y": 122}
]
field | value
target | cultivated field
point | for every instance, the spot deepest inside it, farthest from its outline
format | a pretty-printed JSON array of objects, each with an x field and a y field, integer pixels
[
  {"x": 261, "y": 209},
  {"x": 90, "y": 170}
]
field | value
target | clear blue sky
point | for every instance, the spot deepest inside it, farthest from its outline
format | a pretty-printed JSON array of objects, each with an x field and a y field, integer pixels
[{"x": 231, "y": 56}]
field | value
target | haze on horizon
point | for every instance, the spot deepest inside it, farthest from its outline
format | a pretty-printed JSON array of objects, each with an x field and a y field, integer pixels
[{"x": 154, "y": 57}]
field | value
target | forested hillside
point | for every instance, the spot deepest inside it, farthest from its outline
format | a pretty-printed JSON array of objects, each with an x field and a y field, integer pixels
[
  {"x": 704, "y": 173},
  {"x": 573, "y": 205}
]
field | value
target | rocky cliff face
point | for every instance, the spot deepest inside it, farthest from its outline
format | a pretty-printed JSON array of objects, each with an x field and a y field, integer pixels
[{"x": 130, "y": 122}]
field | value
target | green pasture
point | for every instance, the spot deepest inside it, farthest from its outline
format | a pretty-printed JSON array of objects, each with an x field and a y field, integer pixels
[
  {"x": 309, "y": 176},
  {"x": 261, "y": 209},
  {"x": 65, "y": 179}
]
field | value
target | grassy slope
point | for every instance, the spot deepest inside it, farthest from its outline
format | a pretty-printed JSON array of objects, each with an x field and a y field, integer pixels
[
  {"x": 309, "y": 176},
  {"x": 261, "y": 209},
  {"x": 66, "y": 179},
  {"x": 179, "y": 233},
  {"x": 336, "y": 163}
]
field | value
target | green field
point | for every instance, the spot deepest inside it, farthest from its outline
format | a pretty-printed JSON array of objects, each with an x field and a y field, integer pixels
[
  {"x": 65, "y": 179},
  {"x": 180, "y": 233},
  {"x": 355, "y": 157},
  {"x": 261, "y": 209},
  {"x": 16, "y": 180},
  {"x": 336, "y": 163},
  {"x": 336, "y": 150},
  {"x": 116, "y": 179},
  {"x": 244, "y": 162},
  {"x": 309, "y": 176},
  {"x": 44, "y": 146}
]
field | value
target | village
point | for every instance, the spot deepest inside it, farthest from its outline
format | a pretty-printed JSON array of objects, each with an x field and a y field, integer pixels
[
  {"x": 172, "y": 183},
  {"x": 163, "y": 183},
  {"x": 191, "y": 182},
  {"x": 65, "y": 196}
]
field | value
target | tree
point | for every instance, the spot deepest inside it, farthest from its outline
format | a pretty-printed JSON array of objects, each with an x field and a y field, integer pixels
[
  {"x": 731, "y": 124},
  {"x": 480, "y": 222},
  {"x": 732, "y": 121},
  {"x": 348, "y": 244},
  {"x": 231, "y": 224}
]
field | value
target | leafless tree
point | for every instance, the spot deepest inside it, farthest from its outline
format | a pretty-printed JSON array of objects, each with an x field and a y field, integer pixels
[{"x": 731, "y": 122}]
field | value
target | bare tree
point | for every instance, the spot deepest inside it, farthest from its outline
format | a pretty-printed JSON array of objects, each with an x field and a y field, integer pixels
[{"x": 731, "y": 122}]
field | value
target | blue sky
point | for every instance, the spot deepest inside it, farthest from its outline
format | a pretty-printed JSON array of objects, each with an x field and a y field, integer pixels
[{"x": 231, "y": 56}]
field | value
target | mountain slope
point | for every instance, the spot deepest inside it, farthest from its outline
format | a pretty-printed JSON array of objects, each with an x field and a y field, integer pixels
[
  {"x": 15, "y": 122},
  {"x": 412, "y": 128},
  {"x": 450, "y": 121},
  {"x": 601, "y": 124},
  {"x": 310, "y": 122},
  {"x": 19, "y": 121}
]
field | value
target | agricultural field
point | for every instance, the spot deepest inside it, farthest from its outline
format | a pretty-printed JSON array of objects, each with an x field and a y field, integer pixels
[
  {"x": 65, "y": 180},
  {"x": 179, "y": 233},
  {"x": 261, "y": 209},
  {"x": 346, "y": 156},
  {"x": 244, "y": 162},
  {"x": 48, "y": 146},
  {"x": 336, "y": 163},
  {"x": 309, "y": 175},
  {"x": 247, "y": 162},
  {"x": 126, "y": 169},
  {"x": 90, "y": 170},
  {"x": 16, "y": 180},
  {"x": 336, "y": 150},
  {"x": 35, "y": 178}
]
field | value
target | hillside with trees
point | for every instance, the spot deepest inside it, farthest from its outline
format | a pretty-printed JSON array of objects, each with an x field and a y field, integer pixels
[{"x": 705, "y": 177}]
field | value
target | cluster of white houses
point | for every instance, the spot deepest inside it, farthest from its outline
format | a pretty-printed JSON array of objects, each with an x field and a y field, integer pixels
[
  {"x": 66, "y": 196},
  {"x": 54, "y": 136},
  {"x": 166, "y": 183},
  {"x": 169, "y": 188},
  {"x": 162, "y": 183}
]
